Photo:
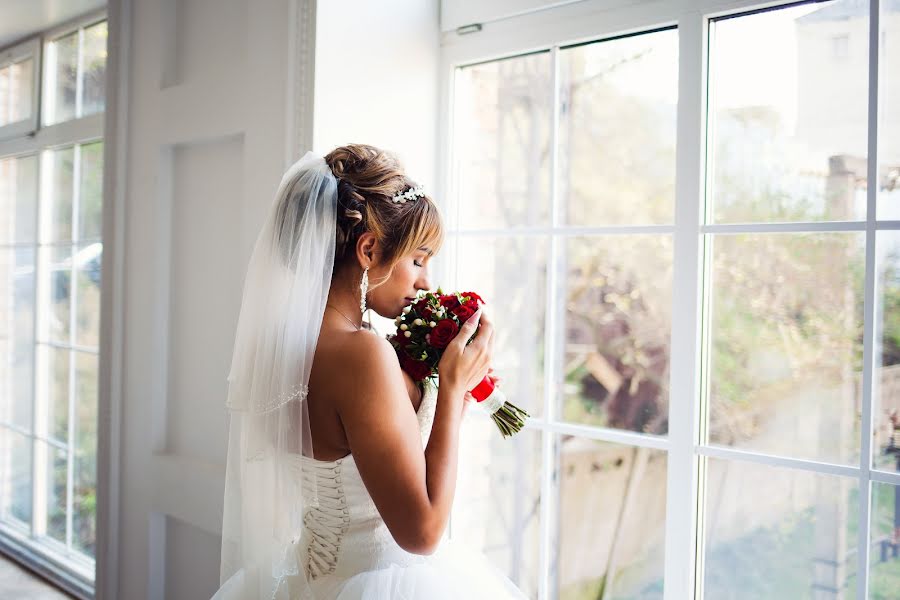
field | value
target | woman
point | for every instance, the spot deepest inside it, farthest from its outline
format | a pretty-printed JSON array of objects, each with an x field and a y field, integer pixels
[{"x": 341, "y": 470}]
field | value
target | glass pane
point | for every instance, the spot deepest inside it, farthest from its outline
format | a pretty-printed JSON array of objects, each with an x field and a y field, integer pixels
[
  {"x": 57, "y": 190},
  {"x": 889, "y": 122},
  {"x": 21, "y": 76},
  {"x": 56, "y": 492},
  {"x": 618, "y": 103},
  {"x": 84, "y": 502},
  {"x": 87, "y": 275},
  {"x": 17, "y": 337},
  {"x": 618, "y": 324},
  {"x": 788, "y": 118},
  {"x": 53, "y": 371},
  {"x": 498, "y": 497},
  {"x": 18, "y": 199},
  {"x": 90, "y": 202},
  {"x": 503, "y": 116},
  {"x": 777, "y": 533},
  {"x": 61, "y": 77},
  {"x": 5, "y": 92},
  {"x": 785, "y": 354},
  {"x": 884, "y": 558},
  {"x": 510, "y": 275},
  {"x": 94, "y": 86},
  {"x": 15, "y": 476},
  {"x": 611, "y": 520},
  {"x": 54, "y": 293},
  {"x": 886, "y": 383}
]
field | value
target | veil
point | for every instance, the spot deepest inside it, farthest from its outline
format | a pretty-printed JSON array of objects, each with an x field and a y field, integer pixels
[{"x": 284, "y": 295}]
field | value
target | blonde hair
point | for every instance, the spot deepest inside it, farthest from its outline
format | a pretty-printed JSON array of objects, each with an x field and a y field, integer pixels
[{"x": 368, "y": 177}]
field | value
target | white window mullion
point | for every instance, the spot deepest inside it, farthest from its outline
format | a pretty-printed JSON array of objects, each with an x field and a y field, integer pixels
[
  {"x": 73, "y": 291},
  {"x": 682, "y": 503},
  {"x": 549, "y": 520},
  {"x": 869, "y": 383}
]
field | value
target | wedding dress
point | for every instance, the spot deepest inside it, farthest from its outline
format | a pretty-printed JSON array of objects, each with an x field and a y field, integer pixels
[{"x": 349, "y": 553}]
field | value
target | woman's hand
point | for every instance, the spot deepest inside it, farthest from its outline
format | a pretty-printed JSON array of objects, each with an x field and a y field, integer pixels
[{"x": 462, "y": 366}]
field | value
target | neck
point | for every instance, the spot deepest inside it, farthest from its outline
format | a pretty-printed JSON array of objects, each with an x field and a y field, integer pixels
[{"x": 341, "y": 296}]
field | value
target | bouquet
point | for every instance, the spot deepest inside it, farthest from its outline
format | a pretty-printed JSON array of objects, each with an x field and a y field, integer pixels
[{"x": 424, "y": 330}]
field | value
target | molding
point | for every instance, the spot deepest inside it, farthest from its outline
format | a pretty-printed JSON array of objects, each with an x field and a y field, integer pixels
[
  {"x": 115, "y": 159},
  {"x": 301, "y": 75}
]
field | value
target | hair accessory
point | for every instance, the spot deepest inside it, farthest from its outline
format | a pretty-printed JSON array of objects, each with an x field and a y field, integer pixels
[{"x": 410, "y": 194}]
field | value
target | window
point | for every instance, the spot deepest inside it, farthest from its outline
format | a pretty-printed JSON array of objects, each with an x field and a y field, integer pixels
[
  {"x": 18, "y": 89},
  {"x": 572, "y": 214},
  {"x": 609, "y": 263},
  {"x": 50, "y": 257}
]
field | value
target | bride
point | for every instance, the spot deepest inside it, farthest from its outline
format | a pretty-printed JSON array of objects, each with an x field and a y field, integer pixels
[{"x": 341, "y": 470}]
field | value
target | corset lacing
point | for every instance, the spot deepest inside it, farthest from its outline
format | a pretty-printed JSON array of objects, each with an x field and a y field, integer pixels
[{"x": 327, "y": 523}]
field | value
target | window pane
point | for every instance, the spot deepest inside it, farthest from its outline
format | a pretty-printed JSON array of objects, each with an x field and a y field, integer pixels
[
  {"x": 18, "y": 199},
  {"x": 785, "y": 348},
  {"x": 611, "y": 520},
  {"x": 618, "y": 323},
  {"x": 498, "y": 494},
  {"x": 889, "y": 122},
  {"x": 15, "y": 476},
  {"x": 57, "y": 185},
  {"x": 87, "y": 275},
  {"x": 17, "y": 337},
  {"x": 886, "y": 402},
  {"x": 90, "y": 201},
  {"x": 788, "y": 118},
  {"x": 94, "y": 60},
  {"x": 21, "y": 86},
  {"x": 510, "y": 275},
  {"x": 62, "y": 73},
  {"x": 54, "y": 294},
  {"x": 617, "y": 130},
  {"x": 777, "y": 533},
  {"x": 884, "y": 563},
  {"x": 53, "y": 372},
  {"x": 503, "y": 116},
  {"x": 85, "y": 476},
  {"x": 56, "y": 492}
]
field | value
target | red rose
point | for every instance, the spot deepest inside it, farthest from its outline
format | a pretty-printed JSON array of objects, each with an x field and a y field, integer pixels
[
  {"x": 464, "y": 311},
  {"x": 443, "y": 333},
  {"x": 450, "y": 301},
  {"x": 473, "y": 297},
  {"x": 417, "y": 369}
]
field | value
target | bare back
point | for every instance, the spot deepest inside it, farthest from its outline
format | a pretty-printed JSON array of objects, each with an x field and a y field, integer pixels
[{"x": 328, "y": 436}]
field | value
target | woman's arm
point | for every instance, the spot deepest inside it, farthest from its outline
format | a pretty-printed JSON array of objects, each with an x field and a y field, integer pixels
[{"x": 412, "y": 487}]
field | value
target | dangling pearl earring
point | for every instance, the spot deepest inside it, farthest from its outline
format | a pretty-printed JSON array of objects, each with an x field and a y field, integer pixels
[{"x": 363, "y": 288}]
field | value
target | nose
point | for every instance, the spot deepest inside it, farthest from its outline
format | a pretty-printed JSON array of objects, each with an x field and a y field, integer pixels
[{"x": 424, "y": 282}]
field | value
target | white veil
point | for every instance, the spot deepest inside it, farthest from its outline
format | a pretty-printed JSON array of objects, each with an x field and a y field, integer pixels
[{"x": 285, "y": 290}]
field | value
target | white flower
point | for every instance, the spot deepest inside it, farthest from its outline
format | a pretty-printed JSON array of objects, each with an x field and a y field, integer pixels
[
  {"x": 407, "y": 333},
  {"x": 406, "y": 309},
  {"x": 404, "y": 327},
  {"x": 417, "y": 322},
  {"x": 432, "y": 324}
]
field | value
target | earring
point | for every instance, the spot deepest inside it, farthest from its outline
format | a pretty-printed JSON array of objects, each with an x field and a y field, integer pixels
[{"x": 363, "y": 288}]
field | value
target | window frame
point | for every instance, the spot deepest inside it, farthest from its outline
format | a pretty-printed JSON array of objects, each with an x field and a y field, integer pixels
[
  {"x": 686, "y": 444},
  {"x": 31, "y": 48},
  {"x": 74, "y": 574}
]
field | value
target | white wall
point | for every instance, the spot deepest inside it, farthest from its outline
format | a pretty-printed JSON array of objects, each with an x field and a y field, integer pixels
[
  {"x": 219, "y": 97},
  {"x": 377, "y": 80}
]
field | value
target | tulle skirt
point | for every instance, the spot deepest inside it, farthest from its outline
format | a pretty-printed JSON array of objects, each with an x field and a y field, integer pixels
[{"x": 451, "y": 572}]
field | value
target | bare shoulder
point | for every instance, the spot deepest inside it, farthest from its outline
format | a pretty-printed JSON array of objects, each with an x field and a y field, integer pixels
[{"x": 371, "y": 370}]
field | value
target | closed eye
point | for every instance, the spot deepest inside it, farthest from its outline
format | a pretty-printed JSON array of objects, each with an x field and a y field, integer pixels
[{"x": 417, "y": 264}]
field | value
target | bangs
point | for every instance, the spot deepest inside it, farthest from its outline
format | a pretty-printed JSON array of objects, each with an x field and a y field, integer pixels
[{"x": 425, "y": 228}]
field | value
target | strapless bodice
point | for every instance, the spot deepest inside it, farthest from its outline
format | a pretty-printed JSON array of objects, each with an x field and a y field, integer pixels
[{"x": 345, "y": 534}]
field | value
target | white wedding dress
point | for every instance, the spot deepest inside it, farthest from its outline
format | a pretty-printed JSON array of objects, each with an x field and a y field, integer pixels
[{"x": 349, "y": 553}]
